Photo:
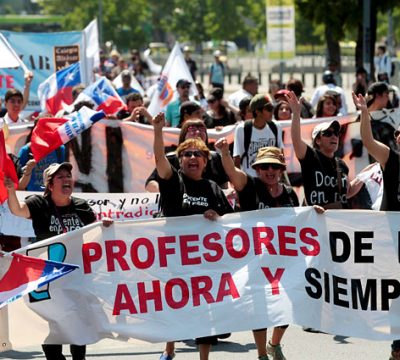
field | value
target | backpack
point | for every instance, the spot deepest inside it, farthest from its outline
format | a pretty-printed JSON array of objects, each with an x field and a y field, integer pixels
[
  {"x": 247, "y": 129},
  {"x": 393, "y": 66}
]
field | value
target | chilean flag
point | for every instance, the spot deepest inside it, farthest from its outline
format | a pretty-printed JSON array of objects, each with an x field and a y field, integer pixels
[
  {"x": 56, "y": 91},
  {"x": 20, "y": 274},
  {"x": 103, "y": 94},
  {"x": 7, "y": 168},
  {"x": 50, "y": 133}
]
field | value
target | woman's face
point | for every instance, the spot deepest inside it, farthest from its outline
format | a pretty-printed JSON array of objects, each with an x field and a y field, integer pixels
[
  {"x": 284, "y": 112},
  {"x": 269, "y": 174},
  {"x": 196, "y": 131},
  {"x": 193, "y": 162},
  {"x": 62, "y": 183},
  {"x": 328, "y": 108},
  {"x": 213, "y": 104}
]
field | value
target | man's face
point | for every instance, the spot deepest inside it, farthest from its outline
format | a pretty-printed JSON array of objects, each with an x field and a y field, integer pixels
[
  {"x": 183, "y": 90},
  {"x": 252, "y": 88},
  {"x": 14, "y": 105}
]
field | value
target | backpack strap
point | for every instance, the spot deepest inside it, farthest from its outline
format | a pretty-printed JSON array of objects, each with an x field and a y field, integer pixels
[
  {"x": 274, "y": 130},
  {"x": 247, "y": 129}
]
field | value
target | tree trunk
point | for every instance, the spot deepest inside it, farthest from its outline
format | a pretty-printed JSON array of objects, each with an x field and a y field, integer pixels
[{"x": 332, "y": 45}]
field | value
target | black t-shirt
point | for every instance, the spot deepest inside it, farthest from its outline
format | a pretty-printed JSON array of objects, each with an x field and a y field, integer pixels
[
  {"x": 391, "y": 183},
  {"x": 227, "y": 119},
  {"x": 255, "y": 196},
  {"x": 320, "y": 178},
  {"x": 214, "y": 169},
  {"x": 181, "y": 196},
  {"x": 50, "y": 220}
]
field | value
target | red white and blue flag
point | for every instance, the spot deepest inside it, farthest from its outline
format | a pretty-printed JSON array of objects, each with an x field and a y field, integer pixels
[
  {"x": 20, "y": 274},
  {"x": 7, "y": 168},
  {"x": 103, "y": 95},
  {"x": 50, "y": 133},
  {"x": 56, "y": 91}
]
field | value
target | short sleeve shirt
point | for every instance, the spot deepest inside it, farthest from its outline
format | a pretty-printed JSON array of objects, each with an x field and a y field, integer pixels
[
  {"x": 259, "y": 138},
  {"x": 391, "y": 182},
  {"x": 320, "y": 178},
  {"x": 255, "y": 196},
  {"x": 50, "y": 220},
  {"x": 181, "y": 196}
]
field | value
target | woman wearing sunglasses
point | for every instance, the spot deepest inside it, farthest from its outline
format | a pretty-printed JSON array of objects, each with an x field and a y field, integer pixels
[
  {"x": 325, "y": 176},
  {"x": 191, "y": 129},
  {"x": 264, "y": 191},
  {"x": 181, "y": 191}
]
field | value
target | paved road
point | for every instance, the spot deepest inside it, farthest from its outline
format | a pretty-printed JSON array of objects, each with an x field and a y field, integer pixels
[{"x": 297, "y": 345}]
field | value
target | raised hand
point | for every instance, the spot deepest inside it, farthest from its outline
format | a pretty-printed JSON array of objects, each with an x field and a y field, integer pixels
[
  {"x": 222, "y": 145},
  {"x": 158, "y": 121},
  {"x": 294, "y": 103},
  {"x": 359, "y": 101}
]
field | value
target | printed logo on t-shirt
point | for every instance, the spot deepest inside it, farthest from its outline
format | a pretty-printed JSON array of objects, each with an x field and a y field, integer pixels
[
  {"x": 325, "y": 187},
  {"x": 70, "y": 222},
  {"x": 255, "y": 145},
  {"x": 189, "y": 201}
]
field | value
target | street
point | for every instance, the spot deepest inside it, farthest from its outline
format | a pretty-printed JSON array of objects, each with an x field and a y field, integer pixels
[{"x": 297, "y": 344}]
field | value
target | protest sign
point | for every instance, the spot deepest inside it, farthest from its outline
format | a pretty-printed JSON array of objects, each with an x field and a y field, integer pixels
[{"x": 175, "y": 278}]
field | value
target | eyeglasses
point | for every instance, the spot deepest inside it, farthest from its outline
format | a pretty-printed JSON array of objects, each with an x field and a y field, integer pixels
[
  {"x": 190, "y": 153},
  {"x": 267, "y": 166},
  {"x": 329, "y": 133}
]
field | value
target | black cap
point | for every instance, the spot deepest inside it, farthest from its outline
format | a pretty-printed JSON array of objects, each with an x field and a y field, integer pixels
[
  {"x": 183, "y": 82},
  {"x": 189, "y": 107}
]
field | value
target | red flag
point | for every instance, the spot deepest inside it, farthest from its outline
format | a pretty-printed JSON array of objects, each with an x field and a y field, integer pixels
[
  {"x": 50, "y": 133},
  {"x": 7, "y": 168}
]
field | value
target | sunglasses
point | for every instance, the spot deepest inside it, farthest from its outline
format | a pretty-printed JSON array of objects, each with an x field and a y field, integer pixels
[
  {"x": 329, "y": 133},
  {"x": 195, "y": 153},
  {"x": 211, "y": 101},
  {"x": 396, "y": 134},
  {"x": 267, "y": 166},
  {"x": 185, "y": 87}
]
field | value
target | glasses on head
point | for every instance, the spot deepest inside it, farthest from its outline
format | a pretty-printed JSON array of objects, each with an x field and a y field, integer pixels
[
  {"x": 329, "y": 133},
  {"x": 190, "y": 153},
  {"x": 193, "y": 129},
  {"x": 267, "y": 166}
]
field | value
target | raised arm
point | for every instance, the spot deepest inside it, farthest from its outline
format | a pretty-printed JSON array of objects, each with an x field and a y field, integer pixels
[
  {"x": 236, "y": 176},
  {"x": 17, "y": 208},
  {"x": 300, "y": 147},
  {"x": 27, "y": 88},
  {"x": 375, "y": 148},
  {"x": 163, "y": 166}
]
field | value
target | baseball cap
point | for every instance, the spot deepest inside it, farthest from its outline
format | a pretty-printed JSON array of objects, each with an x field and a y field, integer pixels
[
  {"x": 281, "y": 93},
  {"x": 183, "y": 82},
  {"x": 217, "y": 53},
  {"x": 126, "y": 73},
  {"x": 259, "y": 101},
  {"x": 51, "y": 170},
  {"x": 324, "y": 126},
  {"x": 269, "y": 155}
]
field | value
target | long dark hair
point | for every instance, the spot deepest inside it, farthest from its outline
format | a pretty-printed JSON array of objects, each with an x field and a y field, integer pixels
[
  {"x": 320, "y": 105},
  {"x": 185, "y": 126}
]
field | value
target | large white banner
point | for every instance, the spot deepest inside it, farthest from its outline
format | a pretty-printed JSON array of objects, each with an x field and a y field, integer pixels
[
  {"x": 136, "y": 148},
  {"x": 179, "y": 278}
]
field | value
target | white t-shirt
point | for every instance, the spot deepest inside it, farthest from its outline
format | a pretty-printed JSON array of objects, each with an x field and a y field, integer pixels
[
  {"x": 235, "y": 98},
  {"x": 321, "y": 90},
  {"x": 259, "y": 139}
]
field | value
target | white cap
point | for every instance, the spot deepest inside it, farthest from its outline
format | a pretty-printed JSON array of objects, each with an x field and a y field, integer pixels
[
  {"x": 324, "y": 126},
  {"x": 217, "y": 53}
]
